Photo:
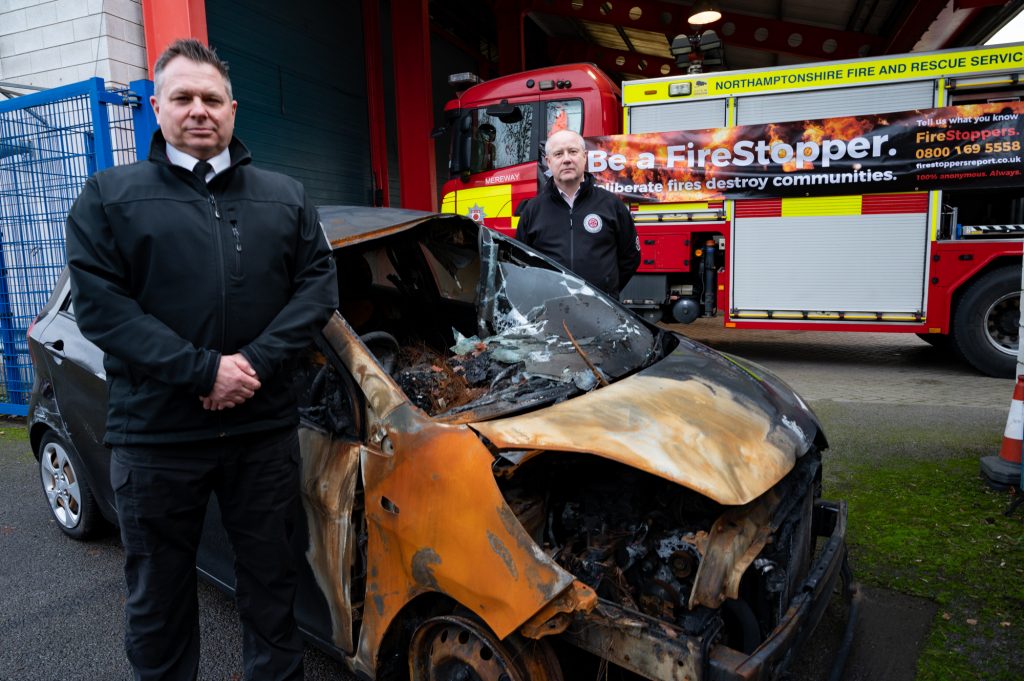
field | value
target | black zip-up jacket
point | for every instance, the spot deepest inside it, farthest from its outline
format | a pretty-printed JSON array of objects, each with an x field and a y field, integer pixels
[
  {"x": 595, "y": 238},
  {"x": 168, "y": 274}
]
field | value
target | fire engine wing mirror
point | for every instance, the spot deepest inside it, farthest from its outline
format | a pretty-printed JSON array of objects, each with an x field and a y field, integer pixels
[
  {"x": 462, "y": 148},
  {"x": 505, "y": 112}
]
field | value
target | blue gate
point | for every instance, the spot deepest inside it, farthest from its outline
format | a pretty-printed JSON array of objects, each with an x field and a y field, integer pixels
[{"x": 50, "y": 142}]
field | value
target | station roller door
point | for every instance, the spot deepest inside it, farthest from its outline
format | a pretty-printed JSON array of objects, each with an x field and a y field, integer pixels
[
  {"x": 832, "y": 102},
  {"x": 695, "y": 115},
  {"x": 859, "y": 256},
  {"x": 298, "y": 74}
]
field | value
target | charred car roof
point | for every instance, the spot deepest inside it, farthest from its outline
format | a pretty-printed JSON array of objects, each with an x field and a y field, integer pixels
[{"x": 347, "y": 225}]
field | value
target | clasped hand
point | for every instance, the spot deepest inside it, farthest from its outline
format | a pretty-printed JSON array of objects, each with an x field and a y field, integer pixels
[{"x": 235, "y": 383}]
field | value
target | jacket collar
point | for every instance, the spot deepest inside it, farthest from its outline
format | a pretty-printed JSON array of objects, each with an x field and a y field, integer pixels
[
  {"x": 158, "y": 151},
  {"x": 585, "y": 186}
]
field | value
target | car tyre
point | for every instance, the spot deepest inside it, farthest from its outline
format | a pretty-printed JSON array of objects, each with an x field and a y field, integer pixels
[
  {"x": 985, "y": 324},
  {"x": 67, "y": 492}
]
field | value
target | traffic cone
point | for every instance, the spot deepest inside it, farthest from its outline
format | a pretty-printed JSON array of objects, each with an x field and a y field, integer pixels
[{"x": 1004, "y": 470}]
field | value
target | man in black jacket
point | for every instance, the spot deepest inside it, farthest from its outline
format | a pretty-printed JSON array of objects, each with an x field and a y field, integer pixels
[
  {"x": 201, "y": 277},
  {"x": 577, "y": 224}
]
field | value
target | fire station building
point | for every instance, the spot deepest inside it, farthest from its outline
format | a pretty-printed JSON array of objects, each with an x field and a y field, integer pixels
[{"x": 344, "y": 95}]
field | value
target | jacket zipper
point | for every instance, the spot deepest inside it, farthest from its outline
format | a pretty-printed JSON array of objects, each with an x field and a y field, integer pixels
[
  {"x": 220, "y": 272},
  {"x": 223, "y": 291},
  {"x": 572, "y": 243},
  {"x": 238, "y": 248}
]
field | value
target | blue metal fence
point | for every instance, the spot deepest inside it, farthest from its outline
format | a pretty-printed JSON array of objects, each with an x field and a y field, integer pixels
[{"x": 50, "y": 142}]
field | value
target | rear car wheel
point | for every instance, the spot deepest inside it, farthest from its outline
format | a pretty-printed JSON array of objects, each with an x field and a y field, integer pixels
[
  {"x": 461, "y": 649},
  {"x": 67, "y": 493},
  {"x": 986, "y": 320}
]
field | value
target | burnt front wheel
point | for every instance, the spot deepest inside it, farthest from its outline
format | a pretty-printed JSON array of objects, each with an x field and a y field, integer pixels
[
  {"x": 460, "y": 649},
  {"x": 986, "y": 322}
]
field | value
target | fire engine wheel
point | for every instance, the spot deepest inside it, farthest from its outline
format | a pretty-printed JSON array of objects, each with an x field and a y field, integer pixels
[
  {"x": 461, "y": 649},
  {"x": 985, "y": 324}
]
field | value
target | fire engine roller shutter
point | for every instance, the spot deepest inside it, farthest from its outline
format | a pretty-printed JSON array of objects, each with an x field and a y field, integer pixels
[
  {"x": 834, "y": 254},
  {"x": 298, "y": 75},
  {"x": 696, "y": 115},
  {"x": 815, "y": 104}
]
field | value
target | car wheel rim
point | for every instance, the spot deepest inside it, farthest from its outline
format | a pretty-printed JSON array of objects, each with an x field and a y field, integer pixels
[
  {"x": 1002, "y": 321},
  {"x": 459, "y": 649},
  {"x": 60, "y": 483}
]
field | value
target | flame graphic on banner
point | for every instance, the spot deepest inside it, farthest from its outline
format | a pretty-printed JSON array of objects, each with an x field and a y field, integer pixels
[{"x": 841, "y": 155}]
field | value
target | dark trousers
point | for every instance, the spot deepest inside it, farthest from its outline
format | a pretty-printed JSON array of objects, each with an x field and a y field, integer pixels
[{"x": 161, "y": 494}]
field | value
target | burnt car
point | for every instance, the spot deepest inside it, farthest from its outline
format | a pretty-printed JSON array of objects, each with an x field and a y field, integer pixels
[{"x": 507, "y": 474}]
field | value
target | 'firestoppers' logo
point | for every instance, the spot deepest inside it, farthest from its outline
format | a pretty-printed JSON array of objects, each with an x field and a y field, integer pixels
[
  {"x": 592, "y": 223},
  {"x": 476, "y": 213}
]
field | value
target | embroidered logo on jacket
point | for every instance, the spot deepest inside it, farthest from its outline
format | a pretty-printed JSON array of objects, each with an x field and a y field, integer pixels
[{"x": 592, "y": 223}]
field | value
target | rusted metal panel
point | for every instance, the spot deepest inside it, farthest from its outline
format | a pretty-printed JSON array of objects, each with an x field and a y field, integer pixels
[
  {"x": 382, "y": 394},
  {"x": 732, "y": 545},
  {"x": 437, "y": 522},
  {"x": 330, "y": 470},
  {"x": 646, "y": 646},
  {"x": 555, "y": 617},
  {"x": 436, "y": 519}
]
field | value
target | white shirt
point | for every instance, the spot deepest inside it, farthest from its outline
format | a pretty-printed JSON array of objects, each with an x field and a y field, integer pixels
[
  {"x": 570, "y": 199},
  {"x": 220, "y": 162}
]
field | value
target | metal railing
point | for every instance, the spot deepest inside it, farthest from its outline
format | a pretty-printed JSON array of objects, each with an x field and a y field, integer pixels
[{"x": 50, "y": 142}]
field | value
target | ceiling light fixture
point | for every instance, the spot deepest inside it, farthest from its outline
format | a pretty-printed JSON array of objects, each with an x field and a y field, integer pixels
[{"x": 704, "y": 13}]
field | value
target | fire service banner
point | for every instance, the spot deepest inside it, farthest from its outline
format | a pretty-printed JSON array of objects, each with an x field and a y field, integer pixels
[{"x": 957, "y": 147}]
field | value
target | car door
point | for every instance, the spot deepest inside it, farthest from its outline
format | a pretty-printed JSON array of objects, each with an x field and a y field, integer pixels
[{"x": 79, "y": 386}]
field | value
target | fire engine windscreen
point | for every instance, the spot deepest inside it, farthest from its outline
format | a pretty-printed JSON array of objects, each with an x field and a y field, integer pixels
[
  {"x": 501, "y": 135},
  {"x": 485, "y": 141}
]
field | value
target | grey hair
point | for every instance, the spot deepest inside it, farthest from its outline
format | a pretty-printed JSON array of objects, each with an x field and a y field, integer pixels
[
  {"x": 195, "y": 51},
  {"x": 579, "y": 137}
]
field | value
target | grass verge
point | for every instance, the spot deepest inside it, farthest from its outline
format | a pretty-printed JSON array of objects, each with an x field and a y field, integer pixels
[
  {"x": 13, "y": 430},
  {"x": 934, "y": 529},
  {"x": 14, "y": 434}
]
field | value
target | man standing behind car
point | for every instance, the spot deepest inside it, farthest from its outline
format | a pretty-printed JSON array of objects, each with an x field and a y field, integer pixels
[
  {"x": 578, "y": 224},
  {"x": 200, "y": 277}
]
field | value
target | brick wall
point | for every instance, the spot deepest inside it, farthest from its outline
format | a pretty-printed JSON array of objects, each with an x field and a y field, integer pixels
[{"x": 47, "y": 43}]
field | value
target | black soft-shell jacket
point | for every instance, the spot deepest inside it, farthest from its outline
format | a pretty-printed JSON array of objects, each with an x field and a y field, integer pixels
[
  {"x": 167, "y": 275},
  {"x": 596, "y": 238}
]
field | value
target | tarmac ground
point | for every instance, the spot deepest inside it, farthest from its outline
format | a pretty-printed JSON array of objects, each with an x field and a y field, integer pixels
[
  {"x": 61, "y": 601},
  {"x": 886, "y": 368}
]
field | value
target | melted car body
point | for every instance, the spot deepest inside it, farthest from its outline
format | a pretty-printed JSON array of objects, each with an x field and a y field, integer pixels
[{"x": 504, "y": 470}]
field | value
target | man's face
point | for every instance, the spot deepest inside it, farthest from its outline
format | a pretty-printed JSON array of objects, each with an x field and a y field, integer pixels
[
  {"x": 566, "y": 158},
  {"x": 193, "y": 109}
]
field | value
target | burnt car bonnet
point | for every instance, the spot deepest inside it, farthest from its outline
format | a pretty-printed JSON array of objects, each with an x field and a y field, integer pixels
[{"x": 721, "y": 426}]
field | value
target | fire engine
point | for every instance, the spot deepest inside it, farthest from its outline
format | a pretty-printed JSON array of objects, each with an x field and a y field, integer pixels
[{"x": 940, "y": 261}]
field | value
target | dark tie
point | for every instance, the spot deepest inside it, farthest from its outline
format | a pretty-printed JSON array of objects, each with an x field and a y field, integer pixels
[{"x": 201, "y": 170}]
